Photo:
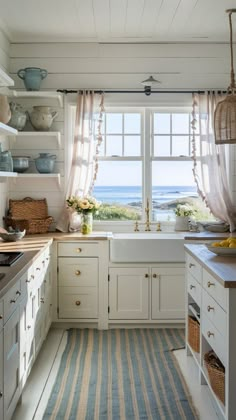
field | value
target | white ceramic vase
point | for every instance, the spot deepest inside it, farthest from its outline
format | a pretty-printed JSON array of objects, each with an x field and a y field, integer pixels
[{"x": 182, "y": 223}]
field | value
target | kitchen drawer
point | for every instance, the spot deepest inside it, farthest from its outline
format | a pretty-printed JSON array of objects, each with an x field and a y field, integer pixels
[
  {"x": 214, "y": 288},
  {"x": 194, "y": 289},
  {"x": 78, "y": 249},
  {"x": 78, "y": 271},
  {"x": 78, "y": 302},
  {"x": 1, "y": 314},
  {"x": 11, "y": 300},
  {"x": 214, "y": 338},
  {"x": 214, "y": 312},
  {"x": 194, "y": 268}
]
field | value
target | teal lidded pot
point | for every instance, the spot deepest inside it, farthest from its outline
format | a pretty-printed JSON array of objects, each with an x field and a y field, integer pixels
[{"x": 32, "y": 77}]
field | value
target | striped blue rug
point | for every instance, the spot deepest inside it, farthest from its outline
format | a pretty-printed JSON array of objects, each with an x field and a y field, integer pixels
[{"x": 120, "y": 374}]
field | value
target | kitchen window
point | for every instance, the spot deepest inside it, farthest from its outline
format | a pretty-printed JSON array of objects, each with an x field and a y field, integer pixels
[{"x": 145, "y": 153}]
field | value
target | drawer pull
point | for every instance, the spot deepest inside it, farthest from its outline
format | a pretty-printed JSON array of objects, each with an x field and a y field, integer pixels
[
  {"x": 42, "y": 300},
  {"x": 13, "y": 301},
  {"x": 1, "y": 394},
  {"x": 78, "y": 250},
  {"x": 27, "y": 281},
  {"x": 192, "y": 286},
  {"x": 28, "y": 327},
  {"x": 209, "y": 333},
  {"x": 32, "y": 276},
  {"x": 38, "y": 268},
  {"x": 154, "y": 276},
  {"x": 77, "y": 302},
  {"x": 1, "y": 317},
  {"x": 146, "y": 276},
  {"x": 191, "y": 265},
  {"x": 210, "y": 308},
  {"x": 209, "y": 284},
  {"x": 77, "y": 273},
  {"x": 18, "y": 293}
]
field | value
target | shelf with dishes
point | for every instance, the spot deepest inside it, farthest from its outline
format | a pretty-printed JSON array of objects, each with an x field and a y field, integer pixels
[
  {"x": 19, "y": 176},
  {"x": 44, "y": 97},
  {"x": 40, "y": 134}
]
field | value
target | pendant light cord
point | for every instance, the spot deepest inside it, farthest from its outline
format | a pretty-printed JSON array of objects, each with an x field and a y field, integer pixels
[{"x": 232, "y": 85}]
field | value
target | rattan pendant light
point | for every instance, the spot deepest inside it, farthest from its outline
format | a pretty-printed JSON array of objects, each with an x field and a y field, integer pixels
[{"x": 225, "y": 112}]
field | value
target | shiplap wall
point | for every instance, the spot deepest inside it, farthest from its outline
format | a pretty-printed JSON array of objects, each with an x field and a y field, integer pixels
[
  {"x": 112, "y": 66},
  {"x": 4, "y": 64}
]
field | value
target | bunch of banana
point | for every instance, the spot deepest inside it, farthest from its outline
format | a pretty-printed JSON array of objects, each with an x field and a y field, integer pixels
[{"x": 226, "y": 243}]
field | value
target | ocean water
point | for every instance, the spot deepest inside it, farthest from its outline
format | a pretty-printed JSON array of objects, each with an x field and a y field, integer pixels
[{"x": 133, "y": 194}]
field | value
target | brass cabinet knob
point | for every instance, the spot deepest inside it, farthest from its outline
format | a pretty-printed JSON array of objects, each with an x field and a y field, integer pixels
[
  {"x": 77, "y": 302},
  {"x": 210, "y": 308},
  {"x": 146, "y": 275},
  {"x": 18, "y": 293},
  {"x": 191, "y": 265},
  {"x": 28, "y": 326},
  {"x": 38, "y": 268},
  {"x": 192, "y": 286},
  {"x": 154, "y": 276},
  {"x": 209, "y": 284},
  {"x": 1, "y": 316},
  {"x": 78, "y": 272},
  {"x": 42, "y": 300},
  {"x": 1, "y": 394},
  {"x": 209, "y": 333},
  {"x": 78, "y": 250},
  {"x": 13, "y": 301}
]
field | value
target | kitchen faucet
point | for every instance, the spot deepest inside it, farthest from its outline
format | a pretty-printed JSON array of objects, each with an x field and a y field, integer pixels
[{"x": 147, "y": 222}]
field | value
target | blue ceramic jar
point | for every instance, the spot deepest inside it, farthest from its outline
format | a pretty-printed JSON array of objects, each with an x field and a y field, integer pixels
[{"x": 32, "y": 77}]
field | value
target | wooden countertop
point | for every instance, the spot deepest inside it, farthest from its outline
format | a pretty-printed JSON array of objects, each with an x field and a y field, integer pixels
[
  {"x": 31, "y": 249},
  {"x": 223, "y": 268},
  {"x": 206, "y": 236}
]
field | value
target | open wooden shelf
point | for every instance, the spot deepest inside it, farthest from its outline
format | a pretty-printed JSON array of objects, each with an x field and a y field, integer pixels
[
  {"x": 55, "y": 134},
  {"x": 5, "y": 80},
  {"x": 55, "y": 98},
  {"x": 7, "y": 130}
]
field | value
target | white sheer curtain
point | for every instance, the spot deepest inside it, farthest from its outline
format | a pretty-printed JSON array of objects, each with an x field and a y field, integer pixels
[
  {"x": 87, "y": 138},
  {"x": 210, "y": 171}
]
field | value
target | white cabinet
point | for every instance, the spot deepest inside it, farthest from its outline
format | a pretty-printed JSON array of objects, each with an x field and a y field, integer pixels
[
  {"x": 153, "y": 293},
  {"x": 168, "y": 293},
  {"x": 78, "y": 275},
  {"x": 1, "y": 363},
  {"x": 211, "y": 298},
  {"x": 128, "y": 293},
  {"x": 12, "y": 389}
]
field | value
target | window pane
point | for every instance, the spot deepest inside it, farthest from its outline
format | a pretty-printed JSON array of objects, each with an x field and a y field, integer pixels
[
  {"x": 132, "y": 146},
  {"x": 161, "y": 123},
  {"x": 161, "y": 146},
  {"x": 180, "y": 146},
  {"x": 119, "y": 187},
  {"x": 113, "y": 145},
  {"x": 113, "y": 123},
  {"x": 172, "y": 182},
  {"x": 180, "y": 123},
  {"x": 132, "y": 123}
]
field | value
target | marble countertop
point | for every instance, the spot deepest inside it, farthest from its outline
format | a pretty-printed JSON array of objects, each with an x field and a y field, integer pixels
[{"x": 223, "y": 268}]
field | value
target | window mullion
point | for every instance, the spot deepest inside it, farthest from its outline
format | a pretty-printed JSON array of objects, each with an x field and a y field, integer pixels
[{"x": 147, "y": 179}]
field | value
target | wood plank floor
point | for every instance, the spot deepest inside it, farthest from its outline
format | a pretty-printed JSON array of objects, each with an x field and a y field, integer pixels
[{"x": 41, "y": 379}]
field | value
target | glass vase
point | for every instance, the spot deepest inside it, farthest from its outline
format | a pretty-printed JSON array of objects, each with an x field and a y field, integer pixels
[{"x": 86, "y": 223}]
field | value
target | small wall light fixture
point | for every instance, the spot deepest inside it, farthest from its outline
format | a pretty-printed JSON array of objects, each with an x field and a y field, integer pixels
[{"x": 148, "y": 83}]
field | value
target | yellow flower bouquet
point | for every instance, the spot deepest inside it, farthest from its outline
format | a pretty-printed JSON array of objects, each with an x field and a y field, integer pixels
[{"x": 86, "y": 206}]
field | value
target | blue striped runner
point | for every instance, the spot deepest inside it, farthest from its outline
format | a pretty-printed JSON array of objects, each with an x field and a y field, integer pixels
[{"x": 120, "y": 374}]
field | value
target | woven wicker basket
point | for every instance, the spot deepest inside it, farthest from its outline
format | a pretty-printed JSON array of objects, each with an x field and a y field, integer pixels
[
  {"x": 29, "y": 214},
  {"x": 216, "y": 373},
  {"x": 194, "y": 334}
]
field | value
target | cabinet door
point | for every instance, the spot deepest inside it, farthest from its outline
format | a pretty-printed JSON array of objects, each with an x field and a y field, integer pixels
[
  {"x": 168, "y": 293},
  {"x": 1, "y": 374},
  {"x": 128, "y": 293},
  {"x": 11, "y": 364}
]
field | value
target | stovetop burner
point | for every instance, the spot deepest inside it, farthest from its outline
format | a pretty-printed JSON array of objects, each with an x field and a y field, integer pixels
[{"x": 9, "y": 258}]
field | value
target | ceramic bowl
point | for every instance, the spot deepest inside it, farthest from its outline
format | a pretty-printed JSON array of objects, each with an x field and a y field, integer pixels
[{"x": 12, "y": 236}]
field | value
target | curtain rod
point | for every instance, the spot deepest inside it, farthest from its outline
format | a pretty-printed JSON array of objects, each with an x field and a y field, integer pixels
[{"x": 131, "y": 91}]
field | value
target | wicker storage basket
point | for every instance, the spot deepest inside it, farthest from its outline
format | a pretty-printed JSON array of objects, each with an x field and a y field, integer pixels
[
  {"x": 216, "y": 373},
  {"x": 194, "y": 334},
  {"x": 29, "y": 214}
]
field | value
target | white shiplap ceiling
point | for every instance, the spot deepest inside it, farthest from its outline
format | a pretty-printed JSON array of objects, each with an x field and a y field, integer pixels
[{"x": 116, "y": 21}]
